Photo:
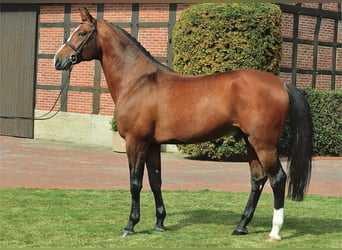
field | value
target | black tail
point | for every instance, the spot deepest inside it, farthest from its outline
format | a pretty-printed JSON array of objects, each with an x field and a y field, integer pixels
[{"x": 299, "y": 165}]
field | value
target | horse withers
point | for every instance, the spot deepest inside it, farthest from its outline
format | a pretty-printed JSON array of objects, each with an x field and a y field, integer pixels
[{"x": 155, "y": 105}]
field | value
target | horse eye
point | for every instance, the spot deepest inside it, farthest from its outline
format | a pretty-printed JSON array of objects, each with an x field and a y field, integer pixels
[{"x": 82, "y": 33}]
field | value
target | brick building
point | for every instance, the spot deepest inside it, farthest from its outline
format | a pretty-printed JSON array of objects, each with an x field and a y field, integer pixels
[
  {"x": 312, "y": 49},
  {"x": 151, "y": 24}
]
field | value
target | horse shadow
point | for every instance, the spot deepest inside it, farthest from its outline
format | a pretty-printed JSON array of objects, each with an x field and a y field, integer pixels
[{"x": 302, "y": 226}]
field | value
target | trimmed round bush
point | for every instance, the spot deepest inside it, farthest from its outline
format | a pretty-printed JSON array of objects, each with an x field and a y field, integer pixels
[{"x": 211, "y": 38}]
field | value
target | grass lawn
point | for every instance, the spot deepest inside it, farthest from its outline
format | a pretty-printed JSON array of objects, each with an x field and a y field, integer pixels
[{"x": 87, "y": 218}]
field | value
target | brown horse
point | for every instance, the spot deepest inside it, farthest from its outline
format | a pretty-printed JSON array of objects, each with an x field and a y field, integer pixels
[{"x": 155, "y": 105}]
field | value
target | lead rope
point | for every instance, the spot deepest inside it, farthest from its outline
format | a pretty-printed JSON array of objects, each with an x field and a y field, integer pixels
[
  {"x": 43, "y": 117},
  {"x": 65, "y": 85}
]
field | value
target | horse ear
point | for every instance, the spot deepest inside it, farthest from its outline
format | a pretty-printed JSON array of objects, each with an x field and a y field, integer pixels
[{"x": 86, "y": 16}]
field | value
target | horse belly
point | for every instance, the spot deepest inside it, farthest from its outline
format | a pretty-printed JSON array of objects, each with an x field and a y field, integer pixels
[{"x": 191, "y": 126}]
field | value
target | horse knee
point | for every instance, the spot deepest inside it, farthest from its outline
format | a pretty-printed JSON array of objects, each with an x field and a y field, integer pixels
[{"x": 135, "y": 187}]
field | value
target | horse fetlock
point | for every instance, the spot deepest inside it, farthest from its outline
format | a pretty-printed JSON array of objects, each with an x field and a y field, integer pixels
[
  {"x": 133, "y": 220},
  {"x": 160, "y": 222},
  {"x": 160, "y": 212}
]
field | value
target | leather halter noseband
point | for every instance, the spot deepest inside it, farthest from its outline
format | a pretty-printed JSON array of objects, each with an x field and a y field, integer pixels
[{"x": 77, "y": 57}]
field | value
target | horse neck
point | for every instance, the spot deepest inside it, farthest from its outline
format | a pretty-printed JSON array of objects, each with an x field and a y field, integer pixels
[{"x": 122, "y": 62}]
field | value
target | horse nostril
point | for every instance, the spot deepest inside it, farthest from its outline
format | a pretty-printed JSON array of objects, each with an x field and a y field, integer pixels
[{"x": 57, "y": 62}]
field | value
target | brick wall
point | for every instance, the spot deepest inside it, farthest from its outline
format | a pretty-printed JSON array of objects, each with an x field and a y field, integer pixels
[
  {"x": 81, "y": 96},
  {"x": 314, "y": 60}
]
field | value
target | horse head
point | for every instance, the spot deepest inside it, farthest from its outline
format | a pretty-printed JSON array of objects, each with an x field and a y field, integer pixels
[{"x": 80, "y": 46}]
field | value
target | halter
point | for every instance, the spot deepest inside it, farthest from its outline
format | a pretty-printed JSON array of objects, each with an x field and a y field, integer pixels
[{"x": 75, "y": 57}]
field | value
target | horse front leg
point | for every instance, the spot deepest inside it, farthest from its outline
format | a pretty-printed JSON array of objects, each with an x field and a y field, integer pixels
[
  {"x": 136, "y": 153},
  {"x": 153, "y": 164}
]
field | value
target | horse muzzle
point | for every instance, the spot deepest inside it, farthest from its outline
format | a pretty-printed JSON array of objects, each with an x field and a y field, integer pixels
[{"x": 65, "y": 64}]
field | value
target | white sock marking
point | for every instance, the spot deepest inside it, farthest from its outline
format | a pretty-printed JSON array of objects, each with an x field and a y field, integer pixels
[{"x": 278, "y": 220}]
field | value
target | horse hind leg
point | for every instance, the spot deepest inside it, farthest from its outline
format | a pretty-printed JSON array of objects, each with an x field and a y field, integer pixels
[
  {"x": 258, "y": 179},
  {"x": 278, "y": 183},
  {"x": 273, "y": 169}
]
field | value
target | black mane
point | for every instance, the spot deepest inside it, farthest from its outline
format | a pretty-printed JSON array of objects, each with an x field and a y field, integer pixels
[{"x": 138, "y": 45}]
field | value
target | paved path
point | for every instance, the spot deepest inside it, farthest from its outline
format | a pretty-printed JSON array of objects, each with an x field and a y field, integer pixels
[{"x": 47, "y": 164}]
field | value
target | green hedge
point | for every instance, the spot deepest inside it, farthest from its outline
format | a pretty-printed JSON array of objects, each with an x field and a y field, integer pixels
[
  {"x": 225, "y": 148},
  {"x": 326, "y": 110},
  {"x": 210, "y": 38}
]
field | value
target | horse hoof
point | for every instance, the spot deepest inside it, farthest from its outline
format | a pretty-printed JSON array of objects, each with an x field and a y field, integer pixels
[
  {"x": 126, "y": 233},
  {"x": 159, "y": 229},
  {"x": 243, "y": 231},
  {"x": 272, "y": 239}
]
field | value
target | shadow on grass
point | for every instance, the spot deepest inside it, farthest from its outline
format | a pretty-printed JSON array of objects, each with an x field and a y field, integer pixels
[
  {"x": 302, "y": 226},
  {"x": 204, "y": 216},
  {"x": 313, "y": 226}
]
